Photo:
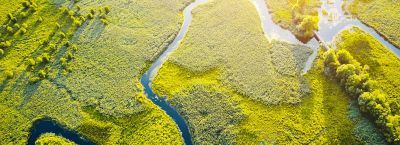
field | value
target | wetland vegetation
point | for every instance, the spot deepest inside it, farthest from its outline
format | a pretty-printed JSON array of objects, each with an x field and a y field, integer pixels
[{"x": 80, "y": 64}]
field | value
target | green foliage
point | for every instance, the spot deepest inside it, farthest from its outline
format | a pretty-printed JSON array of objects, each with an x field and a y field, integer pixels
[
  {"x": 107, "y": 9},
  {"x": 213, "y": 118},
  {"x": 298, "y": 16},
  {"x": 9, "y": 74},
  {"x": 358, "y": 82},
  {"x": 281, "y": 65},
  {"x": 62, "y": 35},
  {"x": 308, "y": 25},
  {"x": 1, "y": 52},
  {"x": 114, "y": 95},
  {"x": 52, "y": 139},
  {"x": 382, "y": 15}
]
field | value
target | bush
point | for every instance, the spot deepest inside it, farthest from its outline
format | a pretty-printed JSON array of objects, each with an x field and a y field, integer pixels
[
  {"x": 46, "y": 58},
  {"x": 357, "y": 82},
  {"x": 104, "y": 21},
  {"x": 107, "y": 9},
  {"x": 69, "y": 56},
  {"x": 90, "y": 16},
  {"x": 1, "y": 52},
  {"x": 40, "y": 19},
  {"x": 92, "y": 11},
  {"x": 24, "y": 14},
  {"x": 9, "y": 74},
  {"x": 42, "y": 74},
  {"x": 62, "y": 35},
  {"x": 10, "y": 29},
  {"x": 26, "y": 4},
  {"x": 22, "y": 30},
  {"x": 31, "y": 62},
  {"x": 74, "y": 47},
  {"x": 5, "y": 44},
  {"x": 39, "y": 60}
]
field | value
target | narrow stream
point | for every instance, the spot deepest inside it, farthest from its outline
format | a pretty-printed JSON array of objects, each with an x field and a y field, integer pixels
[{"x": 148, "y": 77}]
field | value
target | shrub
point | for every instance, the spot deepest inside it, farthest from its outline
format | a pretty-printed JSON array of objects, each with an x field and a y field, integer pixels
[
  {"x": 31, "y": 62},
  {"x": 74, "y": 47},
  {"x": 58, "y": 26},
  {"x": 92, "y": 11},
  {"x": 1, "y": 52},
  {"x": 24, "y": 14},
  {"x": 26, "y": 4},
  {"x": 10, "y": 16},
  {"x": 22, "y": 30},
  {"x": 69, "y": 56},
  {"x": 107, "y": 9},
  {"x": 46, "y": 58},
  {"x": 71, "y": 13},
  {"x": 62, "y": 35},
  {"x": 16, "y": 25},
  {"x": 77, "y": 23},
  {"x": 40, "y": 19},
  {"x": 10, "y": 29},
  {"x": 24, "y": 25},
  {"x": 104, "y": 21},
  {"x": 67, "y": 44},
  {"x": 9, "y": 74},
  {"x": 52, "y": 47},
  {"x": 42, "y": 74},
  {"x": 5, "y": 44},
  {"x": 90, "y": 16},
  {"x": 63, "y": 61}
]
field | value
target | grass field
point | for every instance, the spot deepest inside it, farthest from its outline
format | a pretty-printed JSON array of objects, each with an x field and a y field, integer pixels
[
  {"x": 213, "y": 81},
  {"x": 81, "y": 67},
  {"x": 382, "y": 15}
]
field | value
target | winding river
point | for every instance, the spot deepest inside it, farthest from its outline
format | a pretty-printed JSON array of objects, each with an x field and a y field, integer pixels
[
  {"x": 328, "y": 30},
  {"x": 148, "y": 77}
]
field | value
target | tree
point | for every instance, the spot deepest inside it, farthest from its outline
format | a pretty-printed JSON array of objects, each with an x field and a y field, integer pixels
[
  {"x": 344, "y": 57},
  {"x": 331, "y": 62},
  {"x": 308, "y": 25}
]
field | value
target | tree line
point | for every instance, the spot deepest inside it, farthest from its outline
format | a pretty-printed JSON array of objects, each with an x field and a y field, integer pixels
[{"x": 355, "y": 79}]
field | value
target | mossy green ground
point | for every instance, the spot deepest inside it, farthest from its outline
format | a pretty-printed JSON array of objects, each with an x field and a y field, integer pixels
[
  {"x": 52, "y": 139},
  {"x": 97, "y": 90},
  {"x": 382, "y": 15},
  {"x": 199, "y": 68}
]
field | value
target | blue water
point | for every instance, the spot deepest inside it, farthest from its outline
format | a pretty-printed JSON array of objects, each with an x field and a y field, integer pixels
[
  {"x": 148, "y": 77},
  {"x": 50, "y": 126}
]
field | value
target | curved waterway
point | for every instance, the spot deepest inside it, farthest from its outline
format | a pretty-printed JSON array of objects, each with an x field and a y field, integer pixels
[
  {"x": 148, "y": 77},
  {"x": 329, "y": 27},
  {"x": 50, "y": 126}
]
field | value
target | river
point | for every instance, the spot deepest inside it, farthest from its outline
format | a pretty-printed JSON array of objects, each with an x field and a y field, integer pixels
[
  {"x": 328, "y": 30},
  {"x": 148, "y": 77}
]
